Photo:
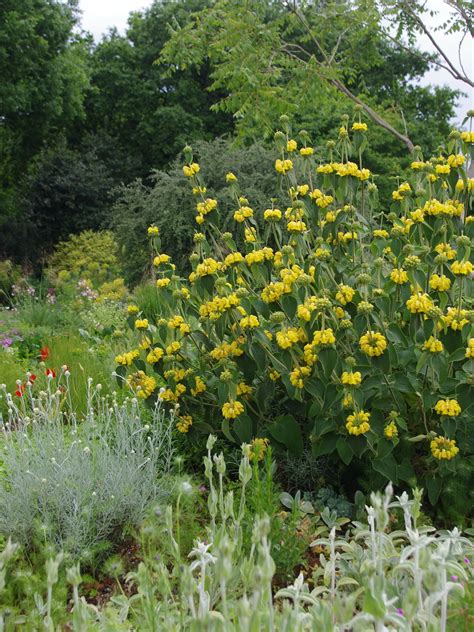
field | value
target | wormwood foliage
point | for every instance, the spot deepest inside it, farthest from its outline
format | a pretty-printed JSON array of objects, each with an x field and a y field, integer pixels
[{"x": 343, "y": 323}]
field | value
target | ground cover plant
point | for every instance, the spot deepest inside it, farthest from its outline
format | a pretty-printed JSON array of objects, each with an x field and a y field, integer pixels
[{"x": 342, "y": 324}]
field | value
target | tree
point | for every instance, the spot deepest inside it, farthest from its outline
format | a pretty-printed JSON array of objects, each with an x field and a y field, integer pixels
[
  {"x": 276, "y": 56},
  {"x": 43, "y": 66}
]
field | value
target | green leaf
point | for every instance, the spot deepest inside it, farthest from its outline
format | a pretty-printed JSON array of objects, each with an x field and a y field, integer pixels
[
  {"x": 243, "y": 428},
  {"x": 387, "y": 467},
  {"x": 325, "y": 445},
  {"x": 373, "y": 605},
  {"x": 287, "y": 431},
  {"x": 434, "y": 486},
  {"x": 258, "y": 354},
  {"x": 328, "y": 358},
  {"x": 344, "y": 450}
]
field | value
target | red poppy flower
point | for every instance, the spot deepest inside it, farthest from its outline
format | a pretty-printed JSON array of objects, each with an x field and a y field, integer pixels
[
  {"x": 50, "y": 372},
  {"x": 32, "y": 378},
  {"x": 20, "y": 391},
  {"x": 44, "y": 352}
]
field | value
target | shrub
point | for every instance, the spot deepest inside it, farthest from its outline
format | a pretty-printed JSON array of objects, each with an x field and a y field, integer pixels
[
  {"x": 73, "y": 483},
  {"x": 90, "y": 256},
  {"x": 345, "y": 327},
  {"x": 168, "y": 203}
]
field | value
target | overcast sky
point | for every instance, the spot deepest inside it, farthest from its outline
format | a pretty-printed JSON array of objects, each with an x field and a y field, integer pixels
[{"x": 99, "y": 15}]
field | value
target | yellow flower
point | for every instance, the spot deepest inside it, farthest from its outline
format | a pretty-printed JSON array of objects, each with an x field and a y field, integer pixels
[
  {"x": 399, "y": 276},
  {"x": 283, "y": 166},
  {"x": 160, "y": 283},
  {"x": 155, "y": 355},
  {"x": 274, "y": 375},
  {"x": 259, "y": 256},
  {"x": 291, "y": 145},
  {"x": 448, "y": 407},
  {"x": 445, "y": 249},
  {"x": 373, "y": 343},
  {"x": 359, "y": 127},
  {"x": 403, "y": 189},
  {"x": 230, "y": 177},
  {"x": 348, "y": 401},
  {"x": 249, "y": 322},
  {"x": 184, "y": 424},
  {"x": 227, "y": 349},
  {"x": 141, "y": 323},
  {"x": 345, "y": 294},
  {"x": 200, "y": 386},
  {"x": 142, "y": 384},
  {"x": 390, "y": 431},
  {"x": 462, "y": 268},
  {"x": 456, "y": 161},
  {"x": 243, "y": 213},
  {"x": 250, "y": 235},
  {"x": 417, "y": 164},
  {"x": 440, "y": 283},
  {"x": 132, "y": 309},
  {"x": 298, "y": 374},
  {"x": 289, "y": 337},
  {"x": 442, "y": 169},
  {"x": 417, "y": 215},
  {"x": 433, "y": 345},
  {"x": 233, "y": 258},
  {"x": 455, "y": 318},
  {"x": 358, "y": 423},
  {"x": 306, "y": 151},
  {"x": 443, "y": 448},
  {"x": 470, "y": 348},
  {"x": 244, "y": 389},
  {"x": 153, "y": 230},
  {"x": 467, "y": 137},
  {"x": 214, "y": 308},
  {"x": 127, "y": 358},
  {"x": 419, "y": 303},
  {"x": 232, "y": 409},
  {"x": 351, "y": 378},
  {"x": 272, "y": 215},
  {"x": 296, "y": 227},
  {"x": 324, "y": 337},
  {"x": 258, "y": 449},
  {"x": 380, "y": 233},
  {"x": 191, "y": 170}
]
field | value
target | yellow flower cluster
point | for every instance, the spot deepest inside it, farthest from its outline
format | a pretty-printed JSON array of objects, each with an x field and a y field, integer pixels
[
  {"x": 191, "y": 169},
  {"x": 243, "y": 213},
  {"x": 343, "y": 169},
  {"x": 283, "y": 166},
  {"x": 419, "y": 303},
  {"x": 443, "y": 448},
  {"x": 390, "y": 431},
  {"x": 373, "y": 343},
  {"x": 359, "y": 127},
  {"x": 232, "y": 259},
  {"x": 232, "y": 409},
  {"x": 291, "y": 145},
  {"x": 306, "y": 151},
  {"x": 141, "y": 323},
  {"x": 403, "y": 190},
  {"x": 155, "y": 355},
  {"x": 230, "y": 177},
  {"x": 448, "y": 407},
  {"x": 298, "y": 374},
  {"x": 470, "y": 348},
  {"x": 214, "y": 308},
  {"x": 358, "y": 423},
  {"x": 456, "y": 160},
  {"x": 296, "y": 226},
  {"x": 259, "y": 256},
  {"x": 345, "y": 294},
  {"x": 204, "y": 208},
  {"x": 184, "y": 423},
  {"x": 132, "y": 309},
  {"x": 207, "y": 267},
  {"x": 168, "y": 395},
  {"x": 462, "y": 268},
  {"x": 258, "y": 449},
  {"x": 450, "y": 208},
  {"x": 199, "y": 386},
  {"x": 289, "y": 337},
  {"x": 323, "y": 201},
  {"x": 178, "y": 322},
  {"x": 380, "y": 233},
  {"x": 467, "y": 137},
  {"x": 227, "y": 349},
  {"x": 324, "y": 337},
  {"x": 272, "y": 215},
  {"x": 127, "y": 358},
  {"x": 399, "y": 276},
  {"x": 440, "y": 282},
  {"x": 433, "y": 345},
  {"x": 152, "y": 230},
  {"x": 162, "y": 258},
  {"x": 446, "y": 250},
  {"x": 249, "y": 322},
  {"x": 454, "y": 318},
  {"x": 142, "y": 384},
  {"x": 161, "y": 283},
  {"x": 351, "y": 378}
]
